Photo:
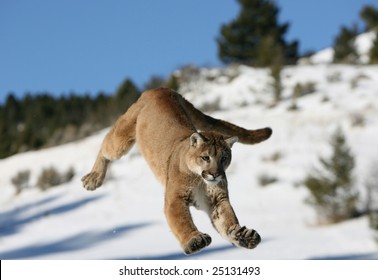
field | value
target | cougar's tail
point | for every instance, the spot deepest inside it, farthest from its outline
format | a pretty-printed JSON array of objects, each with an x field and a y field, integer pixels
[{"x": 206, "y": 123}]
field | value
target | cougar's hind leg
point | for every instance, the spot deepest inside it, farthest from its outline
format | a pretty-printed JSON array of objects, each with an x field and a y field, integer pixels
[
  {"x": 117, "y": 143},
  {"x": 120, "y": 138}
]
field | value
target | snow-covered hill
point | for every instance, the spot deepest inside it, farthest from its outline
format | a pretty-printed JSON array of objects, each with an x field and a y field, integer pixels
[
  {"x": 363, "y": 44},
  {"x": 124, "y": 219}
]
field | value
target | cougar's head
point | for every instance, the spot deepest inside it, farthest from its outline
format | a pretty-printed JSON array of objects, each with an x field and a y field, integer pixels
[{"x": 210, "y": 155}]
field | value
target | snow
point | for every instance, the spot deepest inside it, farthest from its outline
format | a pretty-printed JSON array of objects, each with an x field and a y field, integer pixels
[
  {"x": 124, "y": 218},
  {"x": 323, "y": 57},
  {"x": 363, "y": 44}
]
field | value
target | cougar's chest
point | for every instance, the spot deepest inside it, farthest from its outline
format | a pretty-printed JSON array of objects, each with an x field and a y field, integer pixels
[{"x": 201, "y": 196}]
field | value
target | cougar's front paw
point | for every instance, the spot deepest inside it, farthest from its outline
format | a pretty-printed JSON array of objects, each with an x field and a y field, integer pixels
[
  {"x": 92, "y": 181},
  {"x": 247, "y": 238},
  {"x": 196, "y": 243}
]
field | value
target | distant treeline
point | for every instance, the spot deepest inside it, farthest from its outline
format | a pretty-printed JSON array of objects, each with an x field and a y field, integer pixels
[{"x": 40, "y": 120}]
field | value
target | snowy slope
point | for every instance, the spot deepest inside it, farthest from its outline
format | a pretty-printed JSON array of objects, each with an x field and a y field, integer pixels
[
  {"x": 124, "y": 218},
  {"x": 363, "y": 44}
]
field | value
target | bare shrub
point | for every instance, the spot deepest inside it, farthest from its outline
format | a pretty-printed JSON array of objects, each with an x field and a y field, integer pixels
[
  {"x": 357, "y": 119},
  {"x": 356, "y": 80},
  {"x": 266, "y": 179},
  {"x": 21, "y": 180},
  {"x": 50, "y": 177},
  {"x": 211, "y": 106},
  {"x": 274, "y": 157},
  {"x": 334, "y": 77},
  {"x": 302, "y": 89}
]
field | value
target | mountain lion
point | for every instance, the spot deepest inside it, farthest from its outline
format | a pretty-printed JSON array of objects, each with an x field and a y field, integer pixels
[{"x": 188, "y": 152}]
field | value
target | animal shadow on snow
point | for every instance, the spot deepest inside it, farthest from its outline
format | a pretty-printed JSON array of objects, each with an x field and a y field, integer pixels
[
  {"x": 73, "y": 243},
  {"x": 366, "y": 256},
  {"x": 181, "y": 256},
  {"x": 12, "y": 221}
]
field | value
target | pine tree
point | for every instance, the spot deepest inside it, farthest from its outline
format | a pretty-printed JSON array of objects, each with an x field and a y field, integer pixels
[
  {"x": 125, "y": 96},
  {"x": 173, "y": 82},
  {"x": 154, "y": 82},
  {"x": 255, "y": 31},
  {"x": 373, "y": 54},
  {"x": 369, "y": 15},
  {"x": 331, "y": 189},
  {"x": 344, "y": 46}
]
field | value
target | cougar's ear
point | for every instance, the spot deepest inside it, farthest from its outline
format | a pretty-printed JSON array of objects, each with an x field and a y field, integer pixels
[
  {"x": 196, "y": 140},
  {"x": 231, "y": 141}
]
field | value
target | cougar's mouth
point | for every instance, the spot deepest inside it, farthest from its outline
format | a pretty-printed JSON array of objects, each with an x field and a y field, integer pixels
[{"x": 210, "y": 178}]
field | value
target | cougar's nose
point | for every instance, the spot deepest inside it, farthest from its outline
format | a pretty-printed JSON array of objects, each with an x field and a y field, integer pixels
[{"x": 216, "y": 176}]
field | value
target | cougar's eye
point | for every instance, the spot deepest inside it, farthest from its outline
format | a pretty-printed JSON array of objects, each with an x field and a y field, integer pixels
[
  {"x": 223, "y": 159},
  {"x": 205, "y": 158}
]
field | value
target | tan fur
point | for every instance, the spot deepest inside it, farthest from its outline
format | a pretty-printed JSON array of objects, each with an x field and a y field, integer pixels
[{"x": 189, "y": 164}]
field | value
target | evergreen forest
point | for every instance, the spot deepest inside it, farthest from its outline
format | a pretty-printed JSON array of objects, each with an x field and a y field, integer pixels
[{"x": 41, "y": 120}]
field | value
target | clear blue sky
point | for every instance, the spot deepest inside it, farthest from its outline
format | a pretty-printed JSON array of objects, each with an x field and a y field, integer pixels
[{"x": 91, "y": 45}]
